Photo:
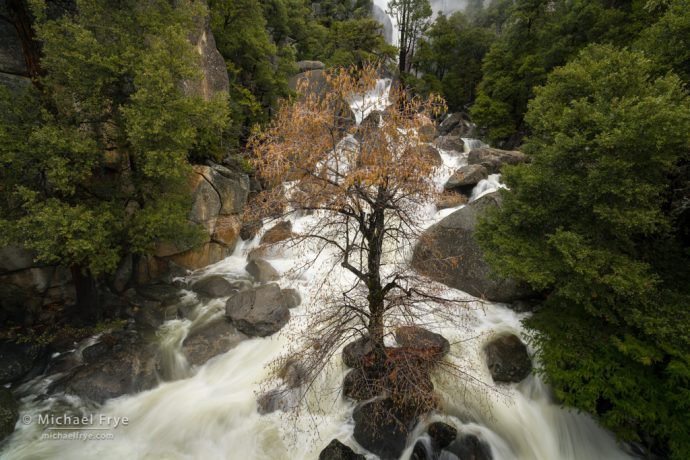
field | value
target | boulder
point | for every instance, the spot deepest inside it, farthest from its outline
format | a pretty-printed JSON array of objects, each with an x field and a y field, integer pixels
[
  {"x": 420, "y": 452},
  {"x": 493, "y": 159},
  {"x": 9, "y": 412},
  {"x": 457, "y": 124},
  {"x": 441, "y": 434},
  {"x": 310, "y": 81},
  {"x": 205, "y": 206},
  {"x": 382, "y": 427},
  {"x": 467, "y": 447},
  {"x": 465, "y": 178},
  {"x": 304, "y": 66},
  {"x": 293, "y": 373},
  {"x": 354, "y": 352},
  {"x": 507, "y": 359},
  {"x": 447, "y": 252},
  {"x": 422, "y": 339},
  {"x": 450, "y": 143},
  {"x": 12, "y": 59},
  {"x": 292, "y": 298},
  {"x": 336, "y": 450},
  {"x": 129, "y": 367},
  {"x": 262, "y": 271},
  {"x": 450, "y": 199},
  {"x": 249, "y": 230},
  {"x": 211, "y": 340},
  {"x": 427, "y": 132},
  {"x": 429, "y": 153},
  {"x": 279, "y": 232},
  {"x": 258, "y": 312},
  {"x": 215, "y": 286}
]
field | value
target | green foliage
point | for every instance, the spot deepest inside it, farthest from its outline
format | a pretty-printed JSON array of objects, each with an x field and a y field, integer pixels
[
  {"x": 585, "y": 223},
  {"x": 668, "y": 40},
  {"x": 413, "y": 18},
  {"x": 94, "y": 165},
  {"x": 536, "y": 38},
  {"x": 356, "y": 42},
  {"x": 449, "y": 57}
]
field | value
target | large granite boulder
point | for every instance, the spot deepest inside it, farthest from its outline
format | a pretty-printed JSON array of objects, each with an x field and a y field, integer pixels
[
  {"x": 419, "y": 338},
  {"x": 129, "y": 366},
  {"x": 217, "y": 286},
  {"x": 493, "y": 159},
  {"x": 456, "y": 124},
  {"x": 507, "y": 359},
  {"x": 211, "y": 340},
  {"x": 467, "y": 447},
  {"x": 304, "y": 66},
  {"x": 447, "y": 252},
  {"x": 450, "y": 143},
  {"x": 336, "y": 450},
  {"x": 16, "y": 360},
  {"x": 429, "y": 153},
  {"x": 232, "y": 187},
  {"x": 382, "y": 427},
  {"x": 279, "y": 232},
  {"x": 466, "y": 178},
  {"x": 261, "y": 270},
  {"x": 262, "y": 311},
  {"x": 214, "y": 73},
  {"x": 9, "y": 412},
  {"x": 354, "y": 352},
  {"x": 450, "y": 199}
]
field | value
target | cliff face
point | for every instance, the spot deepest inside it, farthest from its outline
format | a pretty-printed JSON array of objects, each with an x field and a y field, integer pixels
[{"x": 17, "y": 58}]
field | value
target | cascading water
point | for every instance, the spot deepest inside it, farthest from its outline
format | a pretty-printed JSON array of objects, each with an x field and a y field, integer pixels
[{"x": 211, "y": 412}]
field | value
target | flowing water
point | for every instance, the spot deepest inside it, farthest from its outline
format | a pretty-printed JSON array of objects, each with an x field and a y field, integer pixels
[{"x": 211, "y": 412}]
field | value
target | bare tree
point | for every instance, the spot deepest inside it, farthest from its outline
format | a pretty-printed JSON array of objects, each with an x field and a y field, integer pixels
[{"x": 364, "y": 187}]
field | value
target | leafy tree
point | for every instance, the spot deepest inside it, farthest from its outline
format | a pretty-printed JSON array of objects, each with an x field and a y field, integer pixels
[
  {"x": 586, "y": 224},
  {"x": 94, "y": 166},
  {"x": 449, "y": 56},
  {"x": 257, "y": 68},
  {"x": 537, "y": 37},
  {"x": 667, "y": 39},
  {"x": 356, "y": 42},
  {"x": 412, "y": 17}
]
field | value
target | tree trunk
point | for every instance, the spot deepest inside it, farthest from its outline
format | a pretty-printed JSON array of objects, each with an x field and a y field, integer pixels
[{"x": 88, "y": 306}]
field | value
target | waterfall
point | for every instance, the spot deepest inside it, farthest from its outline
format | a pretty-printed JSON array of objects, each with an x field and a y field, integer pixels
[{"x": 211, "y": 412}]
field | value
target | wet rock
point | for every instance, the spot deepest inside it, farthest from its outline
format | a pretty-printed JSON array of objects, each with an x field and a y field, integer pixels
[
  {"x": 450, "y": 199},
  {"x": 129, "y": 367},
  {"x": 450, "y": 143},
  {"x": 279, "y": 232},
  {"x": 232, "y": 187},
  {"x": 262, "y": 271},
  {"x": 493, "y": 159},
  {"x": 258, "y": 312},
  {"x": 420, "y": 452},
  {"x": 227, "y": 231},
  {"x": 211, "y": 340},
  {"x": 9, "y": 412},
  {"x": 456, "y": 123},
  {"x": 292, "y": 298},
  {"x": 467, "y": 447},
  {"x": 441, "y": 434},
  {"x": 354, "y": 352},
  {"x": 447, "y": 252},
  {"x": 249, "y": 230},
  {"x": 336, "y": 450},
  {"x": 422, "y": 339},
  {"x": 381, "y": 427},
  {"x": 465, "y": 178},
  {"x": 507, "y": 359},
  {"x": 201, "y": 256},
  {"x": 214, "y": 286},
  {"x": 164, "y": 293}
]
